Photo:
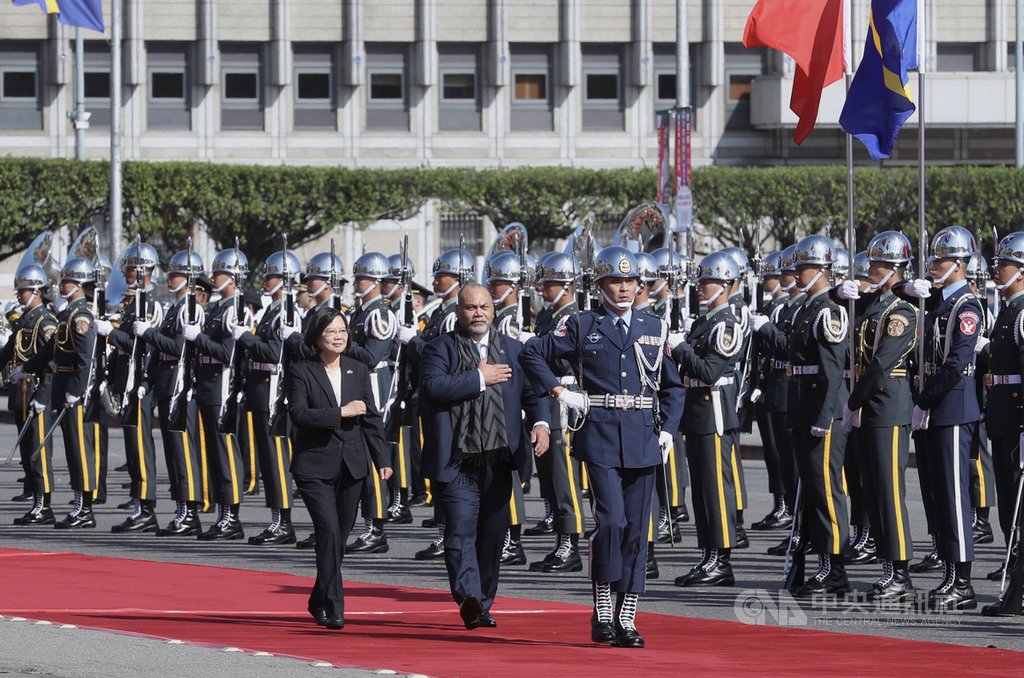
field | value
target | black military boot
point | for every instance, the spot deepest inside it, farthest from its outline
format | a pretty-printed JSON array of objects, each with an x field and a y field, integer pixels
[
  {"x": 651, "y": 570},
  {"x": 435, "y": 549},
  {"x": 778, "y": 518},
  {"x": 228, "y": 527},
  {"x": 668, "y": 530},
  {"x": 307, "y": 543},
  {"x": 830, "y": 579},
  {"x": 862, "y": 547},
  {"x": 625, "y": 621},
  {"x": 141, "y": 519},
  {"x": 512, "y": 552},
  {"x": 81, "y": 515},
  {"x": 955, "y": 592},
  {"x": 280, "y": 530},
  {"x": 982, "y": 527},
  {"x": 539, "y": 565},
  {"x": 39, "y": 514},
  {"x": 894, "y": 586},
  {"x": 996, "y": 574},
  {"x": 742, "y": 542},
  {"x": 399, "y": 512},
  {"x": 185, "y": 523},
  {"x": 679, "y": 513},
  {"x": 372, "y": 540},
  {"x": 602, "y": 624},
  {"x": 929, "y": 562},
  {"x": 716, "y": 570},
  {"x": 567, "y": 556},
  {"x": 546, "y": 524}
]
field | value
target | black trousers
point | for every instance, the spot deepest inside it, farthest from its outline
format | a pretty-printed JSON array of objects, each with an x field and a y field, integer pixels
[
  {"x": 853, "y": 469},
  {"x": 81, "y": 448},
  {"x": 181, "y": 453},
  {"x": 820, "y": 461},
  {"x": 332, "y": 505},
  {"x": 982, "y": 473},
  {"x": 476, "y": 513},
  {"x": 140, "y": 451},
  {"x": 274, "y": 456},
  {"x": 713, "y": 488},
  {"x": 948, "y": 449},
  {"x": 223, "y": 458},
  {"x": 770, "y": 445},
  {"x": 38, "y": 471},
  {"x": 886, "y": 454},
  {"x": 561, "y": 485}
]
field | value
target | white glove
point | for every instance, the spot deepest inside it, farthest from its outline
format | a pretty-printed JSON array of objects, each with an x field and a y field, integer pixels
[
  {"x": 687, "y": 325},
  {"x": 71, "y": 400},
  {"x": 921, "y": 289},
  {"x": 139, "y": 327},
  {"x": 819, "y": 432},
  {"x": 37, "y": 406},
  {"x": 289, "y": 330},
  {"x": 756, "y": 322},
  {"x": 982, "y": 343},
  {"x": 675, "y": 338},
  {"x": 919, "y": 419},
  {"x": 1020, "y": 441},
  {"x": 755, "y": 395},
  {"x": 847, "y": 415},
  {"x": 407, "y": 334},
  {"x": 238, "y": 330},
  {"x": 18, "y": 373},
  {"x": 576, "y": 401},
  {"x": 190, "y": 332},
  {"x": 522, "y": 337},
  {"x": 665, "y": 441},
  {"x": 848, "y": 289},
  {"x": 102, "y": 327},
  {"x": 10, "y": 306}
]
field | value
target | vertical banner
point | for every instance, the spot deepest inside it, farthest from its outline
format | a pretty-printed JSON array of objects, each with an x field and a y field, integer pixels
[
  {"x": 663, "y": 169},
  {"x": 684, "y": 197},
  {"x": 686, "y": 145}
]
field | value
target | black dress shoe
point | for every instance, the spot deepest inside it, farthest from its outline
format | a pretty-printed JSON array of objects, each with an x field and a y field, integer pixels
[
  {"x": 538, "y": 565},
  {"x": 470, "y": 611},
  {"x": 429, "y": 522},
  {"x": 715, "y": 572},
  {"x": 681, "y": 514},
  {"x": 799, "y": 544},
  {"x": 319, "y": 615},
  {"x": 144, "y": 522},
  {"x": 400, "y": 516},
  {"x": 188, "y": 526},
  {"x": 897, "y": 588},
  {"x": 487, "y": 621},
  {"x": 433, "y": 550},
  {"x": 224, "y": 530},
  {"x": 545, "y": 526},
  {"x": 126, "y": 505},
  {"x": 602, "y": 632},
  {"x": 43, "y": 517},
  {"x": 569, "y": 563},
  {"x": 282, "y": 534},
  {"x": 742, "y": 542},
  {"x": 417, "y": 500},
  {"x": 627, "y": 637},
  {"x": 83, "y": 519},
  {"x": 307, "y": 543},
  {"x": 983, "y": 532},
  {"x": 955, "y": 592},
  {"x": 369, "y": 542},
  {"x": 996, "y": 574},
  {"x": 513, "y": 554},
  {"x": 335, "y": 623},
  {"x": 834, "y": 583},
  {"x": 651, "y": 570},
  {"x": 122, "y": 468},
  {"x": 24, "y": 496},
  {"x": 928, "y": 563},
  {"x": 776, "y": 520},
  {"x": 862, "y": 554}
]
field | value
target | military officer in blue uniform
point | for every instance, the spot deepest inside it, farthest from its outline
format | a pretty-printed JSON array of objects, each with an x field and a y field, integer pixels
[
  {"x": 31, "y": 333},
  {"x": 633, "y": 393},
  {"x": 947, "y": 411},
  {"x": 181, "y": 448},
  {"x": 982, "y": 475},
  {"x": 880, "y": 408},
  {"x": 817, "y": 350}
]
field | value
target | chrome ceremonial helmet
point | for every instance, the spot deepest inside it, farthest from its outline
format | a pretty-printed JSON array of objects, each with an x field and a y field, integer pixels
[
  {"x": 786, "y": 259},
  {"x": 140, "y": 256},
  {"x": 815, "y": 250},
  {"x": 455, "y": 262},
  {"x": 648, "y": 266},
  {"x": 277, "y": 264},
  {"x": 741, "y": 259},
  {"x": 891, "y": 247},
  {"x": 772, "y": 266},
  {"x": 79, "y": 270},
  {"x": 231, "y": 261},
  {"x": 371, "y": 265},
  {"x": 841, "y": 266},
  {"x": 718, "y": 266},
  {"x": 186, "y": 262},
  {"x": 320, "y": 266},
  {"x": 1011, "y": 248},
  {"x": 615, "y": 262},
  {"x": 31, "y": 277},
  {"x": 977, "y": 267},
  {"x": 502, "y": 266},
  {"x": 860, "y": 265},
  {"x": 556, "y": 267},
  {"x": 954, "y": 242},
  {"x": 395, "y": 267}
]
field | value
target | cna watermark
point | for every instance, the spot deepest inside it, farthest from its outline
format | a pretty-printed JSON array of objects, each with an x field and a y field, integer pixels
[{"x": 779, "y": 608}]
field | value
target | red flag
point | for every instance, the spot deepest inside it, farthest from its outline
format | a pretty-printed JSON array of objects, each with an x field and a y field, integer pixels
[{"x": 811, "y": 33}]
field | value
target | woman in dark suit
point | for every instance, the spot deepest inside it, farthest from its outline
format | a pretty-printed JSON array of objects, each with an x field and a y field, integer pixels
[{"x": 337, "y": 432}]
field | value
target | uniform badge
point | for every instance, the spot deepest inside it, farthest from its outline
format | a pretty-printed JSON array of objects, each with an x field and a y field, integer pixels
[
  {"x": 82, "y": 325},
  {"x": 624, "y": 266},
  {"x": 560, "y": 332},
  {"x": 969, "y": 322},
  {"x": 897, "y": 326},
  {"x": 593, "y": 337},
  {"x": 48, "y": 331}
]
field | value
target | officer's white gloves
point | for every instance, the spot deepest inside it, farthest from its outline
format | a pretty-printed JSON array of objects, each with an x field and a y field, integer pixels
[
  {"x": 576, "y": 401},
  {"x": 674, "y": 339},
  {"x": 11, "y": 306},
  {"x": 755, "y": 395},
  {"x": 406, "y": 334},
  {"x": 18, "y": 373},
  {"x": 288, "y": 330},
  {"x": 71, "y": 400},
  {"x": 102, "y": 327},
  {"x": 818, "y": 432},
  {"x": 922, "y": 289},
  {"x": 982, "y": 343},
  {"x": 190, "y": 332},
  {"x": 919, "y": 420},
  {"x": 139, "y": 327},
  {"x": 665, "y": 442},
  {"x": 37, "y": 406},
  {"x": 523, "y": 336},
  {"x": 848, "y": 289},
  {"x": 1020, "y": 442},
  {"x": 687, "y": 325},
  {"x": 238, "y": 330},
  {"x": 756, "y": 321},
  {"x": 851, "y": 416}
]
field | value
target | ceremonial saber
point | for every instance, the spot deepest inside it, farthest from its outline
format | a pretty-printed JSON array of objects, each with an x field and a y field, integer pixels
[
  {"x": 28, "y": 425},
  {"x": 1016, "y": 527},
  {"x": 49, "y": 434}
]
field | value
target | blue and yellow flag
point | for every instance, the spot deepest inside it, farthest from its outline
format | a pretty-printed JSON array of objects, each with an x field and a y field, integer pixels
[
  {"x": 879, "y": 100},
  {"x": 83, "y": 13}
]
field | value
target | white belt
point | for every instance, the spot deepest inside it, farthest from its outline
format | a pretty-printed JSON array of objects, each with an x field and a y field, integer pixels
[
  {"x": 1001, "y": 379},
  {"x": 697, "y": 383},
  {"x": 801, "y": 370},
  {"x": 616, "y": 401},
  {"x": 382, "y": 364},
  {"x": 262, "y": 367},
  {"x": 209, "y": 360},
  {"x": 778, "y": 364}
]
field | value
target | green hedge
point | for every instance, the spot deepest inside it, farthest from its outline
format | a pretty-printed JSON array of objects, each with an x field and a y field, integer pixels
[{"x": 259, "y": 203}]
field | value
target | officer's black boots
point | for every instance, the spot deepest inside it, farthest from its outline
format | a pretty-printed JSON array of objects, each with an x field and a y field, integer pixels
[
  {"x": 512, "y": 552},
  {"x": 185, "y": 523},
  {"x": 81, "y": 515},
  {"x": 141, "y": 519},
  {"x": 229, "y": 526},
  {"x": 929, "y": 562},
  {"x": 714, "y": 570},
  {"x": 372, "y": 540},
  {"x": 602, "y": 626},
  {"x": 955, "y": 592},
  {"x": 40, "y": 513},
  {"x": 435, "y": 549},
  {"x": 777, "y": 519},
  {"x": 862, "y": 549},
  {"x": 565, "y": 557},
  {"x": 830, "y": 579},
  {"x": 625, "y": 621},
  {"x": 546, "y": 524},
  {"x": 280, "y": 530},
  {"x": 894, "y": 585},
  {"x": 651, "y": 570},
  {"x": 982, "y": 527}
]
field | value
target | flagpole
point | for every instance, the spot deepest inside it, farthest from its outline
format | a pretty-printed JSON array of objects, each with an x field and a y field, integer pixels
[
  {"x": 80, "y": 118},
  {"x": 851, "y": 237},
  {"x": 115, "y": 128},
  {"x": 1018, "y": 77},
  {"x": 922, "y": 226}
]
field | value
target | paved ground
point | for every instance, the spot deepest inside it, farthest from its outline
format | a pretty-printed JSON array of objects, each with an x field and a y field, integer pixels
[{"x": 45, "y": 650}]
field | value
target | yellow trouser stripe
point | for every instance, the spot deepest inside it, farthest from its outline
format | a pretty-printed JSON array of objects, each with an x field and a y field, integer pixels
[
  {"x": 721, "y": 491},
  {"x": 42, "y": 454},
  {"x": 375, "y": 479},
  {"x": 403, "y": 481},
  {"x": 252, "y": 453},
  {"x": 829, "y": 499},
  {"x": 896, "y": 503},
  {"x": 96, "y": 457},
  {"x": 982, "y": 490},
  {"x": 577, "y": 515},
  {"x": 80, "y": 422},
  {"x": 289, "y": 449},
  {"x": 228, "y": 439},
  {"x": 650, "y": 525},
  {"x": 285, "y": 494},
  {"x": 673, "y": 474},
  {"x": 188, "y": 467},
  {"x": 203, "y": 462},
  {"x": 142, "y": 449},
  {"x": 736, "y": 476},
  {"x": 512, "y": 501}
]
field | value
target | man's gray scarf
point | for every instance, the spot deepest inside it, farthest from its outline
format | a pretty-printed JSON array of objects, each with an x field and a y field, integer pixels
[{"x": 478, "y": 422}]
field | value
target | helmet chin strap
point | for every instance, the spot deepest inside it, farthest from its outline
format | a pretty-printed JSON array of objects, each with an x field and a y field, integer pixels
[
  {"x": 360, "y": 295},
  {"x": 449, "y": 290},
  {"x": 714, "y": 296},
  {"x": 218, "y": 288},
  {"x": 878, "y": 285},
  {"x": 320, "y": 289},
  {"x": 181, "y": 286},
  {"x": 265, "y": 293},
  {"x": 67, "y": 296},
  {"x": 24, "y": 307},
  {"x": 787, "y": 288},
  {"x": 1015, "y": 278},
  {"x": 815, "y": 279},
  {"x": 504, "y": 296},
  {"x": 660, "y": 286},
  {"x": 549, "y": 304},
  {"x": 621, "y": 305},
  {"x": 395, "y": 291},
  {"x": 949, "y": 272}
]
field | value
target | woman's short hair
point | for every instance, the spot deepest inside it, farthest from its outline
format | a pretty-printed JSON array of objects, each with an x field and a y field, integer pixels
[{"x": 319, "y": 322}]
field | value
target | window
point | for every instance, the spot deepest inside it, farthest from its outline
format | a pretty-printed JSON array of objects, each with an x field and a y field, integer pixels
[
  {"x": 169, "y": 103},
  {"x": 739, "y": 88},
  {"x": 459, "y": 102},
  {"x": 97, "y": 84},
  {"x": 241, "y": 83},
  {"x": 531, "y": 108},
  {"x": 603, "y": 101},
  {"x": 20, "y": 106},
  {"x": 314, "y": 104},
  {"x": 742, "y": 65},
  {"x": 387, "y": 100},
  {"x": 957, "y": 56},
  {"x": 665, "y": 86},
  {"x": 455, "y": 227}
]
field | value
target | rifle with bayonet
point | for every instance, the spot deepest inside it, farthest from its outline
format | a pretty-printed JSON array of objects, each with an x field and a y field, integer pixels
[
  {"x": 231, "y": 401},
  {"x": 335, "y": 280},
  {"x": 751, "y": 374},
  {"x": 185, "y": 374},
  {"x": 136, "y": 388},
  {"x": 398, "y": 393},
  {"x": 286, "y": 316}
]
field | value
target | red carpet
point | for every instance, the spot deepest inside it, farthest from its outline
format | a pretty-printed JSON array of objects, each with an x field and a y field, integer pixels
[{"x": 417, "y": 630}]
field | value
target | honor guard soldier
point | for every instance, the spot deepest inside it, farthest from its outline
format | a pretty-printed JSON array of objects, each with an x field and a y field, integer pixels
[
  {"x": 372, "y": 341},
  {"x": 880, "y": 407},
  {"x": 449, "y": 270},
  {"x": 181, "y": 448},
  {"x": 265, "y": 360},
  {"x": 559, "y": 472},
  {"x": 129, "y": 375},
  {"x": 982, "y": 480},
  {"x": 323, "y": 272},
  {"x": 214, "y": 344},
  {"x": 947, "y": 411},
  {"x": 817, "y": 352},
  {"x": 741, "y": 310},
  {"x": 707, "y": 357},
  {"x": 32, "y": 333},
  {"x": 72, "y": 353},
  {"x": 634, "y": 398}
]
